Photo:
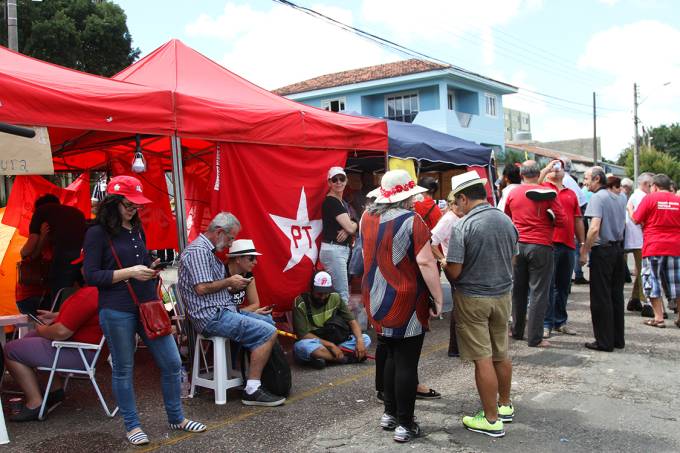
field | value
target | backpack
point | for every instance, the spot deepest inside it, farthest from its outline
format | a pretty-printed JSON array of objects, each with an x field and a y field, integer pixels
[{"x": 276, "y": 376}]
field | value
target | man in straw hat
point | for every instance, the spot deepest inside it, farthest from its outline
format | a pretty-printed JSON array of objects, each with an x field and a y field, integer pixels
[{"x": 479, "y": 264}]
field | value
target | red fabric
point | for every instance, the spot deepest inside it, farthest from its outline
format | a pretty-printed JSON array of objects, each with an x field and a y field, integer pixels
[
  {"x": 80, "y": 314},
  {"x": 405, "y": 291},
  {"x": 425, "y": 206},
  {"x": 27, "y": 189},
  {"x": 659, "y": 214},
  {"x": 36, "y": 92},
  {"x": 255, "y": 192},
  {"x": 565, "y": 234},
  {"x": 157, "y": 219},
  {"x": 530, "y": 217},
  {"x": 213, "y": 103}
]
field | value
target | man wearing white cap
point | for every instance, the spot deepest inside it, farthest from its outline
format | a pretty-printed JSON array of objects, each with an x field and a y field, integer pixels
[
  {"x": 325, "y": 327},
  {"x": 482, "y": 246}
]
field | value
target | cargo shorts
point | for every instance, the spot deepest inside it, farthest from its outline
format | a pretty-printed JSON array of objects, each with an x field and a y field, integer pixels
[{"x": 482, "y": 326}]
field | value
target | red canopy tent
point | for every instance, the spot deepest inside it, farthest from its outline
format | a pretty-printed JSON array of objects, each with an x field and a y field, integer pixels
[{"x": 245, "y": 149}]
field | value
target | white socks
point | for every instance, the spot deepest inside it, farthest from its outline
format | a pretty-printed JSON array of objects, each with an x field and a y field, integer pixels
[{"x": 252, "y": 385}]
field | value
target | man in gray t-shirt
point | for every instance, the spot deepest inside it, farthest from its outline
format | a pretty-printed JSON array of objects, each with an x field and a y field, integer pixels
[
  {"x": 604, "y": 242},
  {"x": 479, "y": 266}
]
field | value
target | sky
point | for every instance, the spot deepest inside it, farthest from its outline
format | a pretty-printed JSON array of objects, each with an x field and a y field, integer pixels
[{"x": 564, "y": 49}]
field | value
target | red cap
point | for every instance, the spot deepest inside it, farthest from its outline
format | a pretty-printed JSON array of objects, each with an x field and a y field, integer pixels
[{"x": 129, "y": 187}]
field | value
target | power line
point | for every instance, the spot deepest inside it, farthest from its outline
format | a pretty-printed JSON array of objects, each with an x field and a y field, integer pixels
[{"x": 406, "y": 50}]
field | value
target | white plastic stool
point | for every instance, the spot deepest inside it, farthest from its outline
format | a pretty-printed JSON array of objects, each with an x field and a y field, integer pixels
[{"x": 223, "y": 375}]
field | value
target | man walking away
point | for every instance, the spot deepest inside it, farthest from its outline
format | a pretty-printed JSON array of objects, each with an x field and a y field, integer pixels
[
  {"x": 479, "y": 264},
  {"x": 607, "y": 213}
]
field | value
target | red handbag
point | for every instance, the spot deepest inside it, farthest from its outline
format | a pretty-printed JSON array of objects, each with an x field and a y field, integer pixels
[{"x": 152, "y": 314}]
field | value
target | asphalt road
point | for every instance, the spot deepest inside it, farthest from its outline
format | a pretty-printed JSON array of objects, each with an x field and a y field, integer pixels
[{"x": 567, "y": 399}]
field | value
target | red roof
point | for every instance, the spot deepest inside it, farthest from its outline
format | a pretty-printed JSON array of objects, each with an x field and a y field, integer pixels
[{"x": 377, "y": 72}]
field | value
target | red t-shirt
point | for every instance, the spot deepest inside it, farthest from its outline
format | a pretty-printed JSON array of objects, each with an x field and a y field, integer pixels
[
  {"x": 425, "y": 206},
  {"x": 565, "y": 234},
  {"x": 530, "y": 217},
  {"x": 659, "y": 214},
  {"x": 80, "y": 314}
]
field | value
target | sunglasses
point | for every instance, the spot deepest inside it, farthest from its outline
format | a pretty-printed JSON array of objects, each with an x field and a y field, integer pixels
[
  {"x": 131, "y": 206},
  {"x": 251, "y": 258},
  {"x": 338, "y": 178}
]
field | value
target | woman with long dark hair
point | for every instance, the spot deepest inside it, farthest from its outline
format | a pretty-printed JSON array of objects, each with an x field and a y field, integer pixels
[{"x": 117, "y": 228}]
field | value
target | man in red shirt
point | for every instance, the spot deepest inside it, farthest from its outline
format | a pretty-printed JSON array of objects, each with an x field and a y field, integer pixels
[
  {"x": 659, "y": 215},
  {"x": 77, "y": 320},
  {"x": 563, "y": 249},
  {"x": 535, "y": 212}
]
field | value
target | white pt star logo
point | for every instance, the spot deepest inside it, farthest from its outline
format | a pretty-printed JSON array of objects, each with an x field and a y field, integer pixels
[{"x": 301, "y": 232}]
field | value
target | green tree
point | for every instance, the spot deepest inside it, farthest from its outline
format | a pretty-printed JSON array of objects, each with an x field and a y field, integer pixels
[
  {"x": 80, "y": 34},
  {"x": 666, "y": 139},
  {"x": 654, "y": 161}
]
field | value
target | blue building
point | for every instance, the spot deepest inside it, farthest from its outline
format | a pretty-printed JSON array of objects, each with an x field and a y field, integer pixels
[{"x": 441, "y": 97}]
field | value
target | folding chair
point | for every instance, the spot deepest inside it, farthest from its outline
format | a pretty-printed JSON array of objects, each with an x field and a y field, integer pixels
[
  {"x": 87, "y": 370},
  {"x": 61, "y": 296}
]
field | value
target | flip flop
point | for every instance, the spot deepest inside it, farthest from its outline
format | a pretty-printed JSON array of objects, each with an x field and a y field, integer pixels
[{"x": 652, "y": 323}]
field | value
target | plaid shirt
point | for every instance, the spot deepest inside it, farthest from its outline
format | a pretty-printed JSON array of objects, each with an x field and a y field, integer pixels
[{"x": 198, "y": 264}]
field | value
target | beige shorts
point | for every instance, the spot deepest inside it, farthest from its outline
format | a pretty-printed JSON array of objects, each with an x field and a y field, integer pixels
[{"x": 482, "y": 326}]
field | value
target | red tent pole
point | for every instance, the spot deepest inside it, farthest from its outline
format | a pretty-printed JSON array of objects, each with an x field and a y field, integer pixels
[{"x": 178, "y": 192}]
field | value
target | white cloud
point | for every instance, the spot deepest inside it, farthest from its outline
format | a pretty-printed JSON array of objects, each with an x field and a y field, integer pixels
[
  {"x": 643, "y": 52},
  {"x": 453, "y": 22},
  {"x": 279, "y": 46}
]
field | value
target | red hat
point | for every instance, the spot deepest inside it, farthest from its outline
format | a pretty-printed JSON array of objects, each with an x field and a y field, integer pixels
[{"x": 129, "y": 187}]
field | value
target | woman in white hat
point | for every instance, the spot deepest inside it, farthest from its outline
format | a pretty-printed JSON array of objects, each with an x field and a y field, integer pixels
[
  {"x": 242, "y": 261},
  {"x": 337, "y": 232},
  {"x": 400, "y": 273}
]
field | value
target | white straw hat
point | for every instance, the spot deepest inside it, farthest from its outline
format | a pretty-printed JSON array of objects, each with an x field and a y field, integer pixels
[
  {"x": 397, "y": 185},
  {"x": 464, "y": 180},
  {"x": 242, "y": 247}
]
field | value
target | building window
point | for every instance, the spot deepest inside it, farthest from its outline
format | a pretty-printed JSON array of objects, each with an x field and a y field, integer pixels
[
  {"x": 451, "y": 100},
  {"x": 490, "y": 104},
  {"x": 334, "y": 105},
  {"x": 402, "y": 107}
]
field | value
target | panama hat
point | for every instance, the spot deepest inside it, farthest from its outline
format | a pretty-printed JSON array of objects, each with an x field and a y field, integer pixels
[
  {"x": 242, "y": 247},
  {"x": 465, "y": 180}
]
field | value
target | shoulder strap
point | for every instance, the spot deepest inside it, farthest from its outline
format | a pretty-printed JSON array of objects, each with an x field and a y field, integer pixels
[
  {"x": 308, "y": 308},
  {"x": 428, "y": 212},
  {"x": 120, "y": 266}
]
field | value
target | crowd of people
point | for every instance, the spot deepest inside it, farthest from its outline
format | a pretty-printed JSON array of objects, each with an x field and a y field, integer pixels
[{"x": 510, "y": 268}]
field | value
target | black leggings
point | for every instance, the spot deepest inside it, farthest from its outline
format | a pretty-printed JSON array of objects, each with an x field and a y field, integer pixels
[
  {"x": 380, "y": 359},
  {"x": 401, "y": 376}
]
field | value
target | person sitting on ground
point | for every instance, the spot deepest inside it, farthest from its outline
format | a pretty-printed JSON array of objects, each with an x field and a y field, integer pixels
[
  {"x": 207, "y": 291},
  {"x": 242, "y": 261},
  {"x": 78, "y": 320},
  {"x": 325, "y": 327}
]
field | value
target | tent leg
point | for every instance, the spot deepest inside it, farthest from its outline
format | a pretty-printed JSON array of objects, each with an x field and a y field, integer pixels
[{"x": 178, "y": 192}]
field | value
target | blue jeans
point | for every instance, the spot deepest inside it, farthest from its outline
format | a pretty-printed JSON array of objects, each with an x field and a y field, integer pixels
[
  {"x": 556, "y": 314},
  {"x": 119, "y": 329},
  {"x": 250, "y": 330},
  {"x": 335, "y": 259},
  {"x": 304, "y": 348},
  {"x": 578, "y": 271}
]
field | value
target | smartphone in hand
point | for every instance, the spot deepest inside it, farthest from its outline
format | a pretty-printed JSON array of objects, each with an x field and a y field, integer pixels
[{"x": 35, "y": 319}]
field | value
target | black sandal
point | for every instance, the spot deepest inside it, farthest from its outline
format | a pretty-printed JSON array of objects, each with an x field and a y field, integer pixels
[
  {"x": 429, "y": 395},
  {"x": 26, "y": 414}
]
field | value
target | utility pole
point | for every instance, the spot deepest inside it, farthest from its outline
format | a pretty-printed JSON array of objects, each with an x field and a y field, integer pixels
[
  {"x": 12, "y": 34},
  {"x": 636, "y": 146},
  {"x": 594, "y": 131}
]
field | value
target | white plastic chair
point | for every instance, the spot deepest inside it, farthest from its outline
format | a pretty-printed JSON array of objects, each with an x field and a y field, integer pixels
[
  {"x": 222, "y": 375},
  {"x": 87, "y": 370}
]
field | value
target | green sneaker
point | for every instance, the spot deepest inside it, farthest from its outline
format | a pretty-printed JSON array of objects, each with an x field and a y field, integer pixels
[
  {"x": 480, "y": 424},
  {"x": 506, "y": 413}
]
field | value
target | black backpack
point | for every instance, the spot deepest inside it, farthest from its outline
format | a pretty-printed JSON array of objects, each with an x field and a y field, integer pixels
[{"x": 276, "y": 377}]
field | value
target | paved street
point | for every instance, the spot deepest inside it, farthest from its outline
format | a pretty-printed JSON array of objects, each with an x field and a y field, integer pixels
[{"x": 567, "y": 399}]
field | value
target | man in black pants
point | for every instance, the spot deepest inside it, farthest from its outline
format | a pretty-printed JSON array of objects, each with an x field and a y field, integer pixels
[{"x": 607, "y": 213}]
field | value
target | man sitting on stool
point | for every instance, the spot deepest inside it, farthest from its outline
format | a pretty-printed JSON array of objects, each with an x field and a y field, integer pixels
[{"x": 325, "y": 326}]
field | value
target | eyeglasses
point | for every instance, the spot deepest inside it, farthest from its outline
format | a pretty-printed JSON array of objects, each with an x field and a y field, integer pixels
[
  {"x": 338, "y": 178},
  {"x": 131, "y": 206}
]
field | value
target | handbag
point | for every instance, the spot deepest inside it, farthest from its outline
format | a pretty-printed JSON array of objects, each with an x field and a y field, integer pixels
[
  {"x": 33, "y": 272},
  {"x": 152, "y": 314},
  {"x": 336, "y": 330}
]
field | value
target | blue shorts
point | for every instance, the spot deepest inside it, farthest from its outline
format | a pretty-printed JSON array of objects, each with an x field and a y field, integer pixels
[
  {"x": 661, "y": 272},
  {"x": 304, "y": 348},
  {"x": 251, "y": 330}
]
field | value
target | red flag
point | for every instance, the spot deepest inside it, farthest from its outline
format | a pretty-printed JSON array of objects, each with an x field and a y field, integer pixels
[
  {"x": 27, "y": 189},
  {"x": 157, "y": 219},
  {"x": 276, "y": 193},
  {"x": 483, "y": 173}
]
